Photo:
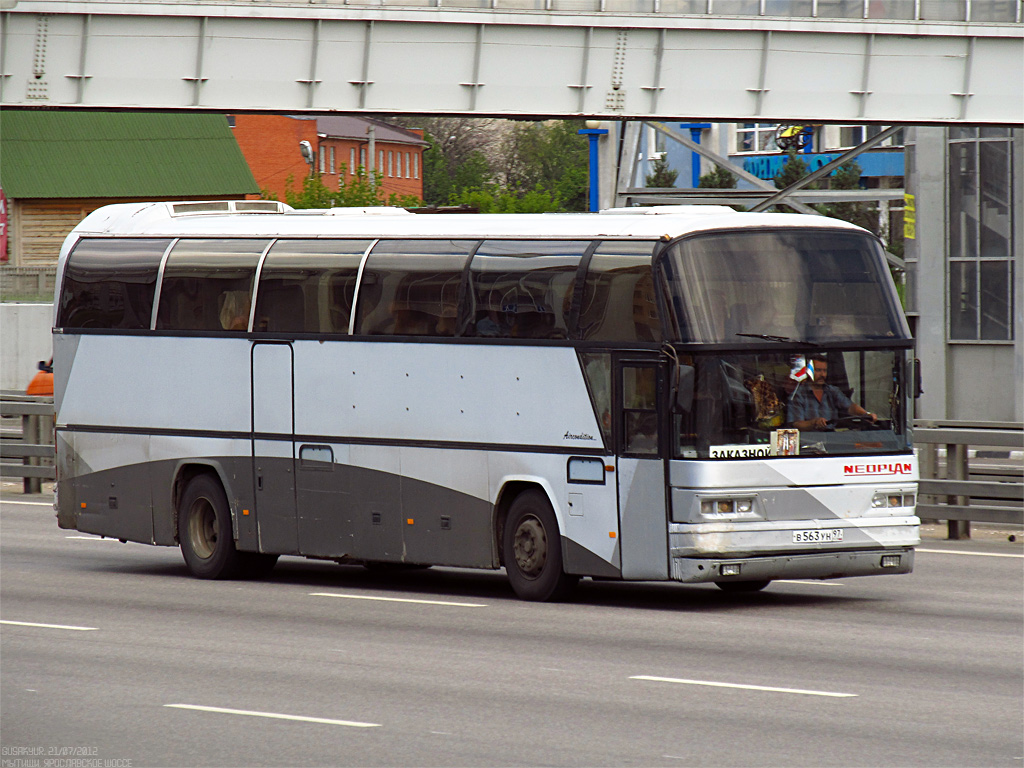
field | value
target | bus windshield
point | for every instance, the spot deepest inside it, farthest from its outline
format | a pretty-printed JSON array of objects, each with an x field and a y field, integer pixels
[
  {"x": 786, "y": 285},
  {"x": 767, "y": 404}
]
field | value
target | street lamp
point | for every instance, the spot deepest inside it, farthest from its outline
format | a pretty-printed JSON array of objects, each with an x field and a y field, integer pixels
[{"x": 307, "y": 154}]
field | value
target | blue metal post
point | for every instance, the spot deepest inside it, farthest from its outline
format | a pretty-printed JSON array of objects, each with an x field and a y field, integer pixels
[
  {"x": 695, "y": 132},
  {"x": 594, "y": 134},
  {"x": 808, "y": 131}
]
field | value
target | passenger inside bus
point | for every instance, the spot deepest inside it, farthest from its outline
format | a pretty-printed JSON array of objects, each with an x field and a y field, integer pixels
[{"x": 234, "y": 310}]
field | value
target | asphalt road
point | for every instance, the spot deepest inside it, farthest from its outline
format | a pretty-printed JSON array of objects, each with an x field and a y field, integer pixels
[{"x": 112, "y": 656}]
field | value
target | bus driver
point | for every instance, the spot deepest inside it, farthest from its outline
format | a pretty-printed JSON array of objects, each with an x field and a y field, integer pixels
[{"x": 814, "y": 406}]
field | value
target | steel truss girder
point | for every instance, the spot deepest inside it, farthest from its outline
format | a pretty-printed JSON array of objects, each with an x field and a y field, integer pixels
[
  {"x": 315, "y": 58},
  {"x": 765, "y": 196}
]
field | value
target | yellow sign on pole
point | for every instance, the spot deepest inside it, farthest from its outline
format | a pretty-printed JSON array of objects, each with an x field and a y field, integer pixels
[{"x": 909, "y": 218}]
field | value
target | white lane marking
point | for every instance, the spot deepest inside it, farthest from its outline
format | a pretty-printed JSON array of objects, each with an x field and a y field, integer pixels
[
  {"x": 92, "y": 538},
  {"x": 28, "y": 503},
  {"x": 812, "y": 583},
  {"x": 48, "y": 626},
  {"x": 274, "y": 715},
  {"x": 744, "y": 687},
  {"x": 975, "y": 554},
  {"x": 396, "y": 600}
]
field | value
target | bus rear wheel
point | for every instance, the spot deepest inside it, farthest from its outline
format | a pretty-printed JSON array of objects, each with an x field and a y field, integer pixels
[
  {"x": 204, "y": 531},
  {"x": 532, "y": 550}
]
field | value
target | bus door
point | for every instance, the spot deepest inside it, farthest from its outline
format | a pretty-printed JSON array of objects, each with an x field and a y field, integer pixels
[
  {"x": 638, "y": 395},
  {"x": 273, "y": 440}
]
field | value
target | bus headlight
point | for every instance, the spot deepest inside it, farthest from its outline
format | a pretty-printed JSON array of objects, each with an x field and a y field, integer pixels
[
  {"x": 892, "y": 500},
  {"x": 726, "y": 507}
]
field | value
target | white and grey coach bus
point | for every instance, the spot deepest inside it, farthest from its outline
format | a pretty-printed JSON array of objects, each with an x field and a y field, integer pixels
[{"x": 561, "y": 395}]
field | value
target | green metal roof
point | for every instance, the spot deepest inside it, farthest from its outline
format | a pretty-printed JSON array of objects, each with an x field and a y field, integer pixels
[{"x": 72, "y": 154}]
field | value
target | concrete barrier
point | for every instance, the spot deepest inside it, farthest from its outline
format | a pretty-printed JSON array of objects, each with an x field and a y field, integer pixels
[{"x": 24, "y": 340}]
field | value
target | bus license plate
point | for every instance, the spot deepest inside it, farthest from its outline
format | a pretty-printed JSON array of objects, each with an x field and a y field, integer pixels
[{"x": 817, "y": 536}]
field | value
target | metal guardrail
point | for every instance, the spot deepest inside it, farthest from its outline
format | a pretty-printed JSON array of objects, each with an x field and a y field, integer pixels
[
  {"x": 26, "y": 443},
  {"x": 954, "y": 491},
  {"x": 949, "y": 489}
]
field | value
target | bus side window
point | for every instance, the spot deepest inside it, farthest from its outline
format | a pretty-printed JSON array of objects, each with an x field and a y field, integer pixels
[
  {"x": 411, "y": 287},
  {"x": 282, "y": 307},
  {"x": 639, "y": 409},
  {"x": 618, "y": 301},
  {"x": 306, "y": 286},
  {"x": 110, "y": 283},
  {"x": 207, "y": 285},
  {"x": 522, "y": 289}
]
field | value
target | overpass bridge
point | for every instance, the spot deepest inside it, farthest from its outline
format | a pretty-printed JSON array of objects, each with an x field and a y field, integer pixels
[{"x": 809, "y": 61}]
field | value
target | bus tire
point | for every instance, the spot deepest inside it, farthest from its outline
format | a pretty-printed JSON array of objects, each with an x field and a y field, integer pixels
[
  {"x": 738, "y": 587},
  {"x": 532, "y": 550},
  {"x": 204, "y": 531}
]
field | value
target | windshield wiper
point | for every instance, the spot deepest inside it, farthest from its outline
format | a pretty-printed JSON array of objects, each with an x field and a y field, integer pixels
[{"x": 780, "y": 339}]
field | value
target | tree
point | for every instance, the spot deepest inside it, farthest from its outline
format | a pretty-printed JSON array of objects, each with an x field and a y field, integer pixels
[
  {"x": 496, "y": 200},
  {"x": 661, "y": 176},
  {"x": 718, "y": 178},
  {"x": 549, "y": 156},
  {"x": 493, "y": 162},
  {"x": 863, "y": 214},
  {"x": 793, "y": 169},
  {"x": 458, "y": 156},
  {"x": 358, "y": 192}
]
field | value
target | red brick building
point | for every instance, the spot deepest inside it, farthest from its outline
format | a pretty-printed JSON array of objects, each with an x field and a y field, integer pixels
[{"x": 271, "y": 145}]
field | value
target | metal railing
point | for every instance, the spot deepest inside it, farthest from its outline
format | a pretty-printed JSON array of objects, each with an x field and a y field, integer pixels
[
  {"x": 26, "y": 440},
  {"x": 952, "y": 489}
]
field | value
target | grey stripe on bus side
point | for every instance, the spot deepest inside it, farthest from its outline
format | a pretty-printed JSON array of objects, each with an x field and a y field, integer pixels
[{"x": 346, "y": 512}]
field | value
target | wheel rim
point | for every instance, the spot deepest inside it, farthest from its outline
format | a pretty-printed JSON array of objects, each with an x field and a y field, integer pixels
[
  {"x": 202, "y": 529},
  {"x": 530, "y": 546}
]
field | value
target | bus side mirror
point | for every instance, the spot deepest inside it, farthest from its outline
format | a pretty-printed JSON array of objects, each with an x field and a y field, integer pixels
[
  {"x": 918, "y": 389},
  {"x": 682, "y": 389}
]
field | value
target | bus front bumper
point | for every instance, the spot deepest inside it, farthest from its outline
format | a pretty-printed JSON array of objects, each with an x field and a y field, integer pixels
[{"x": 818, "y": 565}]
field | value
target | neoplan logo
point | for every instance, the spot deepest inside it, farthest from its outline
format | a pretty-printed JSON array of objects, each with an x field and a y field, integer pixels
[{"x": 878, "y": 469}]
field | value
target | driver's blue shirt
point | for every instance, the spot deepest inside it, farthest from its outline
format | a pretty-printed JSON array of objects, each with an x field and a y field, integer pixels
[{"x": 803, "y": 405}]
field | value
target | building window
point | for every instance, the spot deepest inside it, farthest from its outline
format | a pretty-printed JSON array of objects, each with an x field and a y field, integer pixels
[
  {"x": 854, "y": 135},
  {"x": 755, "y": 137},
  {"x": 323, "y": 159},
  {"x": 391, "y": 163},
  {"x": 362, "y": 157},
  {"x": 406, "y": 165},
  {"x": 231, "y": 121},
  {"x": 416, "y": 166},
  {"x": 980, "y": 234},
  {"x": 351, "y": 161},
  {"x": 380, "y": 162}
]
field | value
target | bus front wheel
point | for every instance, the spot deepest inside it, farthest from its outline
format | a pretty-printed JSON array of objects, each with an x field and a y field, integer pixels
[
  {"x": 204, "y": 531},
  {"x": 532, "y": 550}
]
